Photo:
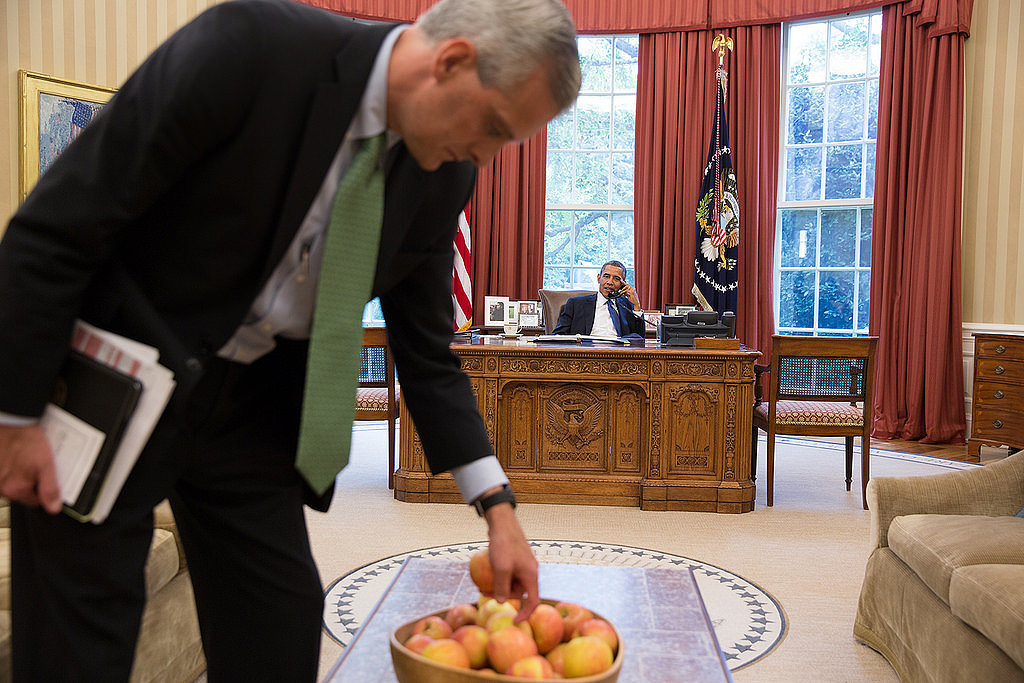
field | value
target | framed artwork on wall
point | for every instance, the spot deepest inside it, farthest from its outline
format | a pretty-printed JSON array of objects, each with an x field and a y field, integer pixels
[{"x": 53, "y": 112}]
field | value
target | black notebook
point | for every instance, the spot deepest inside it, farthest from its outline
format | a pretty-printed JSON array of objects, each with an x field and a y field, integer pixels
[{"x": 104, "y": 398}]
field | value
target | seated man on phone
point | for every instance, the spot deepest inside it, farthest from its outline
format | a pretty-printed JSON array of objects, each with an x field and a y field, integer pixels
[{"x": 611, "y": 314}]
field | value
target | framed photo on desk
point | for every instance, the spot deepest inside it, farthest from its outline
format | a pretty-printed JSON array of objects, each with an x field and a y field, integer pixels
[
  {"x": 53, "y": 112},
  {"x": 495, "y": 310},
  {"x": 679, "y": 309}
]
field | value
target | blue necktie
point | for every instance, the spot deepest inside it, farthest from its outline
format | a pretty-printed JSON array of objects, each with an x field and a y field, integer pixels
[{"x": 614, "y": 313}]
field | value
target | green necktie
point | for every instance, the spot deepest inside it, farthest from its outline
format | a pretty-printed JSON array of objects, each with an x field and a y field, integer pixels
[{"x": 346, "y": 281}]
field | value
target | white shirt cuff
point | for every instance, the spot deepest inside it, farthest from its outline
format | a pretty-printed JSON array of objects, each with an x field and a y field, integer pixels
[
  {"x": 475, "y": 477},
  {"x": 8, "y": 420}
]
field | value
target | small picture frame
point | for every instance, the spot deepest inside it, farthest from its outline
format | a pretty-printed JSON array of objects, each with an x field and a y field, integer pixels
[
  {"x": 495, "y": 310},
  {"x": 529, "y": 314},
  {"x": 512, "y": 312},
  {"x": 679, "y": 309}
]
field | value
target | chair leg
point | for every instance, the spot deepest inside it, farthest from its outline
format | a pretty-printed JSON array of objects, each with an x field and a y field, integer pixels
[
  {"x": 770, "y": 468},
  {"x": 849, "y": 462},
  {"x": 865, "y": 467},
  {"x": 391, "y": 451},
  {"x": 753, "y": 453}
]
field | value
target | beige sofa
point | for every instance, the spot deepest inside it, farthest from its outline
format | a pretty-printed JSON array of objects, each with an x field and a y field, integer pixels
[
  {"x": 943, "y": 593},
  {"x": 169, "y": 648}
]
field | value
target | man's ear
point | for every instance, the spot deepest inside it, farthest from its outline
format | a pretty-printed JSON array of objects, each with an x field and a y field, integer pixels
[{"x": 452, "y": 55}]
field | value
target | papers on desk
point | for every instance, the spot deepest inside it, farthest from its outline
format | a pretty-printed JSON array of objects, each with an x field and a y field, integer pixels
[
  {"x": 580, "y": 338},
  {"x": 111, "y": 392}
]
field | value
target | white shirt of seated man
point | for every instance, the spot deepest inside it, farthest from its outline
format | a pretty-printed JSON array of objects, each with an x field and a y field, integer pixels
[{"x": 611, "y": 284}]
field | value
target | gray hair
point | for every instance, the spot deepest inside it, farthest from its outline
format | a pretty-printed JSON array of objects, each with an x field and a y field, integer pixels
[{"x": 512, "y": 38}]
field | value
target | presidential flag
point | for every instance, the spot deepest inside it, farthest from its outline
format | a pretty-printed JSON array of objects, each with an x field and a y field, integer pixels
[
  {"x": 718, "y": 216},
  {"x": 462, "y": 288}
]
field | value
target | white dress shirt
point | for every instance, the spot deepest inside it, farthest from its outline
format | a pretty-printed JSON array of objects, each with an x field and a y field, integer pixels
[{"x": 603, "y": 324}]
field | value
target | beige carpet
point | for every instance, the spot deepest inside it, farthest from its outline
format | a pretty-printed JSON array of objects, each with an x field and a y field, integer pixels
[{"x": 808, "y": 551}]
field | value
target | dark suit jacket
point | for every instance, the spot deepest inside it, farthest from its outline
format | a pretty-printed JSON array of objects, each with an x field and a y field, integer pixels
[
  {"x": 578, "y": 316},
  {"x": 164, "y": 219}
]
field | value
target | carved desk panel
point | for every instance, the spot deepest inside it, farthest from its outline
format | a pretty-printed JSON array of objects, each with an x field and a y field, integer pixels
[{"x": 659, "y": 428}]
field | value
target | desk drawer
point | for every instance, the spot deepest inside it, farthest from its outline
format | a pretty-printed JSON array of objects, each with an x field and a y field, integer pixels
[
  {"x": 999, "y": 369},
  {"x": 1000, "y": 348}
]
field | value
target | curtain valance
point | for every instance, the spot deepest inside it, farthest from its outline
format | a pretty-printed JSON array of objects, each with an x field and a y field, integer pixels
[{"x": 658, "y": 16}]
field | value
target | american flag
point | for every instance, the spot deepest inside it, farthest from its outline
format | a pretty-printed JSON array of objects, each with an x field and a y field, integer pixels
[
  {"x": 462, "y": 288},
  {"x": 81, "y": 115}
]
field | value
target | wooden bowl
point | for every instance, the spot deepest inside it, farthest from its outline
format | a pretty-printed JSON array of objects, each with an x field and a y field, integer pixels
[{"x": 411, "y": 667}]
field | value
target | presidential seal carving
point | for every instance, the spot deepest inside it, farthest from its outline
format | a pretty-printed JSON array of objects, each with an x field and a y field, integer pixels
[{"x": 573, "y": 417}]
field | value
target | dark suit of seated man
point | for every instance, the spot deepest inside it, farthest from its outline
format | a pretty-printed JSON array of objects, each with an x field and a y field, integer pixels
[{"x": 611, "y": 314}]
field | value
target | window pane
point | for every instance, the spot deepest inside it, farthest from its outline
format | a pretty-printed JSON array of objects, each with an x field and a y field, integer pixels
[
  {"x": 806, "y": 114},
  {"x": 591, "y": 178},
  {"x": 865, "y": 238},
  {"x": 845, "y": 112},
  {"x": 584, "y": 278},
  {"x": 627, "y": 51},
  {"x": 624, "y": 135},
  {"x": 556, "y": 278},
  {"x": 848, "y": 48},
  {"x": 875, "y": 44},
  {"x": 557, "y": 237},
  {"x": 591, "y": 238},
  {"x": 595, "y": 63},
  {"x": 803, "y": 174},
  {"x": 621, "y": 247},
  {"x": 807, "y": 53},
  {"x": 560, "y": 130},
  {"x": 873, "y": 109},
  {"x": 835, "y": 300},
  {"x": 839, "y": 238},
  {"x": 559, "y": 177},
  {"x": 593, "y": 122},
  {"x": 864, "y": 296},
  {"x": 622, "y": 178},
  {"x": 799, "y": 235},
  {"x": 869, "y": 171},
  {"x": 843, "y": 172},
  {"x": 796, "y": 298}
]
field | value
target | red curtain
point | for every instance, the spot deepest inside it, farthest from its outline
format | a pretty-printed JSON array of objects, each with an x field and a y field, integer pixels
[
  {"x": 507, "y": 223},
  {"x": 915, "y": 250},
  {"x": 675, "y": 86}
]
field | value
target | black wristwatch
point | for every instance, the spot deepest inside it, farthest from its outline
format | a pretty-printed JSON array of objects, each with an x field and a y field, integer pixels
[{"x": 485, "y": 503}]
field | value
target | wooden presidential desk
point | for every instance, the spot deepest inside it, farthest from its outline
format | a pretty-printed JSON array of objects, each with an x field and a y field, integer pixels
[{"x": 638, "y": 425}]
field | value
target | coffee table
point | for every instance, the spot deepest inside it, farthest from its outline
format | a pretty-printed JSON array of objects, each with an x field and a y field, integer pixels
[{"x": 666, "y": 633}]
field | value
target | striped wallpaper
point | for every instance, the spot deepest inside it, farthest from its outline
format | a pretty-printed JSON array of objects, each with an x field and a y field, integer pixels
[{"x": 99, "y": 42}]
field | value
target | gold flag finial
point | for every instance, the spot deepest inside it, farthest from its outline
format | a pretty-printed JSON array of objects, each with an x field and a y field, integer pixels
[{"x": 720, "y": 44}]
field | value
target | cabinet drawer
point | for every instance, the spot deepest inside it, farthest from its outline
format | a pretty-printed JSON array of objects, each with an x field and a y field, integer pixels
[
  {"x": 998, "y": 395},
  {"x": 999, "y": 369},
  {"x": 1000, "y": 348},
  {"x": 1005, "y": 424}
]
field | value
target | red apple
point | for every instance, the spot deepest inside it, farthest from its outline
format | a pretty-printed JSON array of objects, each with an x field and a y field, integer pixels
[
  {"x": 447, "y": 651},
  {"x": 557, "y": 658},
  {"x": 474, "y": 639},
  {"x": 547, "y": 627},
  {"x": 481, "y": 571},
  {"x": 417, "y": 642},
  {"x": 508, "y": 646},
  {"x": 460, "y": 615},
  {"x": 572, "y": 616},
  {"x": 600, "y": 628},
  {"x": 433, "y": 626},
  {"x": 586, "y": 656},
  {"x": 531, "y": 667}
]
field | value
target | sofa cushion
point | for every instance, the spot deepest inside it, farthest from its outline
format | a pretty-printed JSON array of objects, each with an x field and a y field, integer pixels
[
  {"x": 990, "y": 597},
  {"x": 933, "y": 546},
  {"x": 162, "y": 564},
  {"x": 5, "y": 569}
]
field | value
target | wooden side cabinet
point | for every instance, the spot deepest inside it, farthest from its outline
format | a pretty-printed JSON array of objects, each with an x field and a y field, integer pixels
[{"x": 998, "y": 397}]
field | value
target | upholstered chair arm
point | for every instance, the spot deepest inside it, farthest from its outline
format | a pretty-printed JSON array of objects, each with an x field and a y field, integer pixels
[{"x": 993, "y": 490}]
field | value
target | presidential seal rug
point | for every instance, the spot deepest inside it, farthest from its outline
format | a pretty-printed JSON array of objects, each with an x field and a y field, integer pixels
[{"x": 748, "y": 621}]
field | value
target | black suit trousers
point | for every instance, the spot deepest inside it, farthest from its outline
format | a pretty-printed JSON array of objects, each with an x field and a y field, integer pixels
[{"x": 228, "y": 470}]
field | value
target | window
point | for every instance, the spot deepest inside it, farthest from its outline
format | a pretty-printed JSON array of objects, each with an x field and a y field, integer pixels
[
  {"x": 589, "y": 212},
  {"x": 826, "y": 184}
]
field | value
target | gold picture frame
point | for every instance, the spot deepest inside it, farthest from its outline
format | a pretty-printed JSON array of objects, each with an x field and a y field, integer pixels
[{"x": 53, "y": 112}]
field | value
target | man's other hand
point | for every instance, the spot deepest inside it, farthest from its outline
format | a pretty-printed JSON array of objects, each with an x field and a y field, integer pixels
[{"x": 27, "y": 473}]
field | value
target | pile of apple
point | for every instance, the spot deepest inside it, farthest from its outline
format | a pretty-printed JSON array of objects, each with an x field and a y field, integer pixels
[{"x": 564, "y": 640}]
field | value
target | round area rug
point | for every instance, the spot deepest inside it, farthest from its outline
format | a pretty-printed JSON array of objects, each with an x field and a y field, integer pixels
[{"x": 748, "y": 622}]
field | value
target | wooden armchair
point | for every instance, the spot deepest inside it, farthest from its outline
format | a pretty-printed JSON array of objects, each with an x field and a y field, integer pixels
[
  {"x": 377, "y": 393},
  {"x": 820, "y": 386}
]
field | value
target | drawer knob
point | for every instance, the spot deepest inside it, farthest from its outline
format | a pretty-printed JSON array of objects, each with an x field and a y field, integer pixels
[
  {"x": 998, "y": 424},
  {"x": 1000, "y": 349},
  {"x": 999, "y": 393},
  {"x": 1000, "y": 369}
]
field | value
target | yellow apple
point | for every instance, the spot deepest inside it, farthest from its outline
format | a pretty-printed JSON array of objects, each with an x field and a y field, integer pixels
[
  {"x": 474, "y": 639},
  {"x": 489, "y": 607},
  {"x": 586, "y": 656},
  {"x": 557, "y": 658},
  {"x": 447, "y": 651},
  {"x": 547, "y": 627}
]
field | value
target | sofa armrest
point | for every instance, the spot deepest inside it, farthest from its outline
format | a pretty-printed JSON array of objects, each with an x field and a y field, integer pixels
[{"x": 994, "y": 490}]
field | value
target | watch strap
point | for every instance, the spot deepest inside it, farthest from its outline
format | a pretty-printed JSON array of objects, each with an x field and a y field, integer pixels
[{"x": 485, "y": 503}]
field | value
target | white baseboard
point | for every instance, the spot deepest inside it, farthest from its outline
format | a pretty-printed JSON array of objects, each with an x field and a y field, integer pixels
[{"x": 968, "y": 343}]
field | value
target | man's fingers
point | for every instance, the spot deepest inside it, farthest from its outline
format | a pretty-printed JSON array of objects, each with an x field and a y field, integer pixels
[{"x": 49, "y": 490}]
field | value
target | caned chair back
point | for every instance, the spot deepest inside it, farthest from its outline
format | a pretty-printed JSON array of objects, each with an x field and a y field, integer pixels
[{"x": 377, "y": 393}]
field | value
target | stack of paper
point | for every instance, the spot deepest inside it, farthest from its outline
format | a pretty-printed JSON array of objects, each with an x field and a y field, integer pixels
[{"x": 78, "y": 445}]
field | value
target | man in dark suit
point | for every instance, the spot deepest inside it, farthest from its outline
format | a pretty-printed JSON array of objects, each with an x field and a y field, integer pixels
[
  {"x": 613, "y": 313},
  {"x": 191, "y": 216}
]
